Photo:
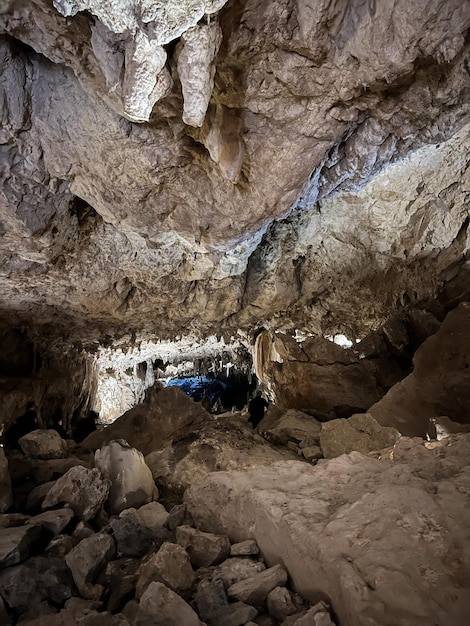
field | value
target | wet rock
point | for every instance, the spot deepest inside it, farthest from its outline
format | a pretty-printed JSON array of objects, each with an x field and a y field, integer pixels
[
  {"x": 38, "y": 580},
  {"x": 280, "y": 603},
  {"x": 235, "y": 569},
  {"x": 59, "y": 546},
  {"x": 204, "y": 549},
  {"x": 133, "y": 538},
  {"x": 120, "y": 577},
  {"x": 43, "y": 444},
  {"x": 160, "y": 606},
  {"x": 6, "y": 498},
  {"x": 36, "y": 496},
  {"x": 359, "y": 432},
  {"x": 255, "y": 590},
  {"x": 17, "y": 542},
  {"x": 132, "y": 483},
  {"x": 210, "y": 599},
  {"x": 53, "y": 522},
  {"x": 153, "y": 515},
  {"x": 86, "y": 560},
  {"x": 82, "y": 489},
  {"x": 171, "y": 566},
  {"x": 244, "y": 548}
]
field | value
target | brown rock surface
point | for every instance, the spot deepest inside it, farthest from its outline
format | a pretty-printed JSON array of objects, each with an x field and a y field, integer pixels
[{"x": 384, "y": 540}]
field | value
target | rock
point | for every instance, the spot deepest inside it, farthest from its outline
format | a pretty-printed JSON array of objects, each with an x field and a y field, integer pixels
[
  {"x": 179, "y": 516},
  {"x": 8, "y": 520},
  {"x": 39, "y": 580},
  {"x": 133, "y": 538},
  {"x": 235, "y": 569},
  {"x": 42, "y": 471},
  {"x": 17, "y": 542},
  {"x": 210, "y": 599},
  {"x": 53, "y": 522},
  {"x": 120, "y": 577},
  {"x": 163, "y": 416},
  {"x": 67, "y": 617},
  {"x": 438, "y": 384},
  {"x": 6, "y": 498},
  {"x": 280, "y": 603},
  {"x": 36, "y": 496},
  {"x": 82, "y": 489},
  {"x": 86, "y": 560},
  {"x": 4, "y": 617},
  {"x": 244, "y": 548},
  {"x": 82, "y": 531},
  {"x": 235, "y": 614},
  {"x": 132, "y": 483},
  {"x": 204, "y": 549},
  {"x": 441, "y": 427},
  {"x": 59, "y": 546},
  {"x": 326, "y": 523},
  {"x": 43, "y": 444},
  {"x": 318, "y": 615},
  {"x": 255, "y": 590},
  {"x": 170, "y": 566},
  {"x": 153, "y": 515},
  {"x": 312, "y": 453},
  {"x": 292, "y": 426},
  {"x": 160, "y": 606},
  {"x": 359, "y": 432}
]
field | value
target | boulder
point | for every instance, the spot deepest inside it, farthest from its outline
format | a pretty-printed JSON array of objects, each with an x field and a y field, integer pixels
[
  {"x": 37, "y": 580},
  {"x": 160, "y": 606},
  {"x": 255, "y": 590},
  {"x": 86, "y": 560},
  {"x": 210, "y": 599},
  {"x": 120, "y": 577},
  {"x": 164, "y": 415},
  {"x": 59, "y": 546},
  {"x": 179, "y": 516},
  {"x": 382, "y": 538},
  {"x": 53, "y": 522},
  {"x": 43, "y": 444},
  {"x": 171, "y": 566},
  {"x": 438, "y": 384},
  {"x": 235, "y": 569},
  {"x": 318, "y": 615},
  {"x": 133, "y": 537},
  {"x": 17, "y": 542},
  {"x": 245, "y": 548},
  {"x": 311, "y": 453},
  {"x": 132, "y": 483},
  {"x": 280, "y": 603},
  {"x": 359, "y": 432},
  {"x": 66, "y": 617},
  {"x": 36, "y": 496},
  {"x": 83, "y": 490},
  {"x": 293, "y": 425},
  {"x": 4, "y": 617},
  {"x": 42, "y": 471},
  {"x": 234, "y": 614},
  {"x": 6, "y": 498},
  {"x": 153, "y": 515},
  {"x": 204, "y": 549},
  {"x": 8, "y": 520}
]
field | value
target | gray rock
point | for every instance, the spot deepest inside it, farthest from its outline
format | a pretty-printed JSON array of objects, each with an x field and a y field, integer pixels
[
  {"x": 170, "y": 565},
  {"x": 160, "y": 606},
  {"x": 133, "y": 538},
  {"x": 43, "y": 444},
  {"x": 280, "y": 603},
  {"x": 312, "y": 453},
  {"x": 245, "y": 548},
  {"x": 6, "y": 498},
  {"x": 211, "y": 599},
  {"x": 16, "y": 543},
  {"x": 131, "y": 480},
  {"x": 318, "y": 615},
  {"x": 36, "y": 496},
  {"x": 4, "y": 617},
  {"x": 9, "y": 520},
  {"x": 59, "y": 546},
  {"x": 82, "y": 489},
  {"x": 255, "y": 590},
  {"x": 236, "y": 569},
  {"x": 86, "y": 560},
  {"x": 179, "y": 516},
  {"x": 153, "y": 515},
  {"x": 204, "y": 549},
  {"x": 234, "y": 614},
  {"x": 54, "y": 522},
  {"x": 120, "y": 577},
  {"x": 43, "y": 471},
  {"x": 82, "y": 531}
]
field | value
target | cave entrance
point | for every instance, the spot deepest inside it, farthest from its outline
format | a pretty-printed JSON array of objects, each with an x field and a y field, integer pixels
[{"x": 218, "y": 393}]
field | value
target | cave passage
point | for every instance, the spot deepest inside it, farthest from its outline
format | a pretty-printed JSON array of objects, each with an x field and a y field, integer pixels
[{"x": 223, "y": 392}]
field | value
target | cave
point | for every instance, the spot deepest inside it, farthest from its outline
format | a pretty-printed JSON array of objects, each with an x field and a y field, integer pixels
[{"x": 206, "y": 200}]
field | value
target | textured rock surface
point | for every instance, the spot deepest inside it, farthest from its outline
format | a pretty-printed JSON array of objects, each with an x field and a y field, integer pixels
[
  {"x": 163, "y": 607},
  {"x": 43, "y": 444},
  {"x": 204, "y": 549},
  {"x": 385, "y": 540},
  {"x": 86, "y": 560},
  {"x": 170, "y": 566},
  {"x": 5, "y": 483},
  {"x": 308, "y": 100}
]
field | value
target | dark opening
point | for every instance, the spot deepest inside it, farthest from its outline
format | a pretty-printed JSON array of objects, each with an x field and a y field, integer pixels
[{"x": 222, "y": 392}]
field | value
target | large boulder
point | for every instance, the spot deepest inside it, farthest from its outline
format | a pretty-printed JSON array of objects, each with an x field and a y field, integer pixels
[
  {"x": 16, "y": 543},
  {"x": 86, "y": 560},
  {"x": 384, "y": 539},
  {"x": 5, "y": 483},
  {"x": 359, "y": 432},
  {"x": 204, "y": 549},
  {"x": 160, "y": 606},
  {"x": 255, "y": 590},
  {"x": 165, "y": 414},
  {"x": 83, "y": 490},
  {"x": 170, "y": 566},
  {"x": 131, "y": 480},
  {"x": 43, "y": 444},
  {"x": 133, "y": 537},
  {"x": 292, "y": 425},
  {"x": 439, "y": 383}
]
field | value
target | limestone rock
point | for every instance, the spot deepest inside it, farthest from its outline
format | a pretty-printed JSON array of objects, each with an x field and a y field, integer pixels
[
  {"x": 133, "y": 537},
  {"x": 16, "y": 543},
  {"x": 5, "y": 483},
  {"x": 203, "y": 548},
  {"x": 37, "y": 580},
  {"x": 255, "y": 590},
  {"x": 235, "y": 569},
  {"x": 293, "y": 426},
  {"x": 438, "y": 384},
  {"x": 280, "y": 603},
  {"x": 43, "y": 444},
  {"x": 131, "y": 481},
  {"x": 170, "y": 566},
  {"x": 83, "y": 490},
  {"x": 338, "y": 541},
  {"x": 244, "y": 548},
  {"x": 359, "y": 432},
  {"x": 54, "y": 522},
  {"x": 86, "y": 560},
  {"x": 160, "y": 606},
  {"x": 153, "y": 515}
]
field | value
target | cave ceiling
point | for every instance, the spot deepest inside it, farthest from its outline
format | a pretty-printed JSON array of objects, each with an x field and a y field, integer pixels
[{"x": 201, "y": 166}]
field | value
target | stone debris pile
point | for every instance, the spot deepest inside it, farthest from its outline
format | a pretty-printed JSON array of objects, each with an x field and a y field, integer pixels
[{"x": 86, "y": 542}]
